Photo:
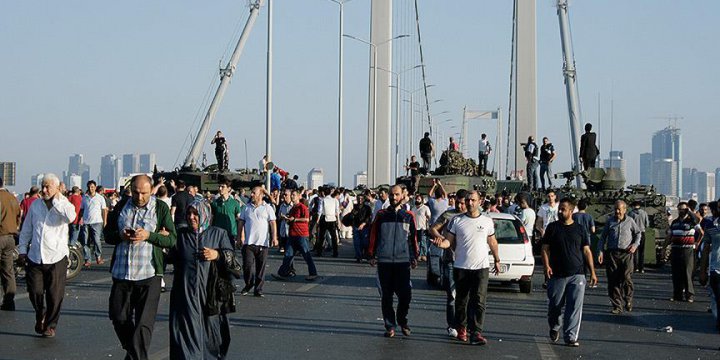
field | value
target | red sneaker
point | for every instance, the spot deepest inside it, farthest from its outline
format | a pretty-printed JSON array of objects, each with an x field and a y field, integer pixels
[
  {"x": 462, "y": 334},
  {"x": 478, "y": 339}
]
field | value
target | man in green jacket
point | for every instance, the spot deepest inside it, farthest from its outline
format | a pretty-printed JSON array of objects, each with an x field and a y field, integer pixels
[{"x": 139, "y": 228}]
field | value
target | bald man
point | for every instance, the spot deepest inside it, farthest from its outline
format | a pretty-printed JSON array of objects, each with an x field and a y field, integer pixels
[{"x": 139, "y": 228}]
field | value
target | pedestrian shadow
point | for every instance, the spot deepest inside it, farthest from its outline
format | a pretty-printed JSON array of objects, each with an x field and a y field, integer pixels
[{"x": 18, "y": 334}]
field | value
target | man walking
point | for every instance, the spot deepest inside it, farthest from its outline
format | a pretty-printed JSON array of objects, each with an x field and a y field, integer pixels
[
  {"x": 298, "y": 219},
  {"x": 394, "y": 249},
  {"x": 565, "y": 252},
  {"x": 94, "y": 212},
  {"x": 257, "y": 225},
  {"x": 710, "y": 260},
  {"x": 44, "y": 247},
  {"x": 472, "y": 237},
  {"x": 643, "y": 222},
  {"x": 484, "y": 150},
  {"x": 225, "y": 211},
  {"x": 619, "y": 241},
  {"x": 547, "y": 156},
  {"x": 9, "y": 222},
  {"x": 139, "y": 227},
  {"x": 682, "y": 236},
  {"x": 531, "y": 156},
  {"x": 438, "y": 232},
  {"x": 328, "y": 222},
  {"x": 76, "y": 199},
  {"x": 362, "y": 220},
  {"x": 422, "y": 217}
]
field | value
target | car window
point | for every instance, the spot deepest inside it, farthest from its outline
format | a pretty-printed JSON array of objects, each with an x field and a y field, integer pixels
[{"x": 507, "y": 231}]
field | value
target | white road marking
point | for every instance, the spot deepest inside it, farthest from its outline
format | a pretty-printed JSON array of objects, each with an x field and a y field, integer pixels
[{"x": 545, "y": 349}]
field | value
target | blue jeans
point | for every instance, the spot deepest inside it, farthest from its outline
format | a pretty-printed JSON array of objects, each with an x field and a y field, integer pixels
[
  {"x": 566, "y": 292},
  {"x": 297, "y": 244},
  {"x": 532, "y": 175},
  {"x": 90, "y": 234},
  {"x": 74, "y": 230},
  {"x": 545, "y": 170},
  {"x": 449, "y": 286},
  {"x": 422, "y": 242},
  {"x": 361, "y": 241}
]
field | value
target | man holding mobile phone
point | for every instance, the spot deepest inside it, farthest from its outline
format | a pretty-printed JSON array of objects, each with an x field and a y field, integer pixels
[{"x": 139, "y": 228}]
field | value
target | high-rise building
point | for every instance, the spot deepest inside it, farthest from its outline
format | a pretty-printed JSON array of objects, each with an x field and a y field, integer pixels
[
  {"x": 717, "y": 183},
  {"x": 36, "y": 180},
  {"x": 689, "y": 183},
  {"x": 109, "y": 175},
  {"x": 77, "y": 166},
  {"x": 7, "y": 173},
  {"x": 664, "y": 174},
  {"x": 75, "y": 180},
  {"x": 147, "y": 163},
  {"x": 667, "y": 145},
  {"x": 315, "y": 178},
  {"x": 130, "y": 164},
  {"x": 361, "y": 178},
  {"x": 615, "y": 160},
  {"x": 646, "y": 168},
  {"x": 705, "y": 186}
]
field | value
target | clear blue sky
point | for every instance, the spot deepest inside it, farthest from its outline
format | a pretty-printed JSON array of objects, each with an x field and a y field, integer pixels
[{"x": 100, "y": 77}]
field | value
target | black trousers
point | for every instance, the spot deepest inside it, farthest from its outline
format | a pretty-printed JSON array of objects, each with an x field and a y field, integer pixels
[
  {"x": 7, "y": 268},
  {"x": 482, "y": 164},
  {"x": 394, "y": 279},
  {"x": 715, "y": 287},
  {"x": 470, "y": 285},
  {"x": 46, "y": 289},
  {"x": 254, "y": 256},
  {"x": 132, "y": 309},
  {"x": 330, "y": 226},
  {"x": 619, "y": 266},
  {"x": 682, "y": 262}
]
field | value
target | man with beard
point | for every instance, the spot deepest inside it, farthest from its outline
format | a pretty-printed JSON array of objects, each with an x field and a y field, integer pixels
[{"x": 394, "y": 249}]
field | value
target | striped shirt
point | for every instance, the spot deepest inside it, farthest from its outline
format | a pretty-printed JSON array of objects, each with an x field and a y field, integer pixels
[{"x": 682, "y": 232}]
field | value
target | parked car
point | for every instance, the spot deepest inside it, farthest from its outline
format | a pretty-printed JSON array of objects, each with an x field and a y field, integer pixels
[{"x": 516, "y": 258}]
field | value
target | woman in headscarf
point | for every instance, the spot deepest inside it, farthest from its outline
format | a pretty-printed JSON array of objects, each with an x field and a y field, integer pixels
[{"x": 196, "y": 330}]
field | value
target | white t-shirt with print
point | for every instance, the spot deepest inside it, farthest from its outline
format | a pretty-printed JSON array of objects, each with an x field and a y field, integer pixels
[{"x": 471, "y": 247}]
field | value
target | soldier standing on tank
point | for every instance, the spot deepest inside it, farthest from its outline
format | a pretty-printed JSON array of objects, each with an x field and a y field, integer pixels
[
  {"x": 221, "y": 151},
  {"x": 531, "y": 155},
  {"x": 427, "y": 148},
  {"x": 588, "y": 149},
  {"x": 484, "y": 150}
]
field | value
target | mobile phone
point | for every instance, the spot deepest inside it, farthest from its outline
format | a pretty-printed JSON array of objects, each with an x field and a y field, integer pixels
[{"x": 130, "y": 232}]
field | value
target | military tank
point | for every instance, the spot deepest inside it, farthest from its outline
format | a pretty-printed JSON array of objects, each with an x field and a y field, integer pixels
[
  {"x": 603, "y": 187},
  {"x": 456, "y": 172}
]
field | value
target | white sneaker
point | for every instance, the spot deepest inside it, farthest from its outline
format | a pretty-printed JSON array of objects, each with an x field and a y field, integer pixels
[{"x": 452, "y": 332}]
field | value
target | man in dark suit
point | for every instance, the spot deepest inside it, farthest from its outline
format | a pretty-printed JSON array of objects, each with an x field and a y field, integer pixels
[{"x": 588, "y": 149}]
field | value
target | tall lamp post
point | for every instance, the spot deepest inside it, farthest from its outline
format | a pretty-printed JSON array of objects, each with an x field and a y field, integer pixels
[
  {"x": 374, "y": 98},
  {"x": 397, "y": 112},
  {"x": 341, "y": 3}
]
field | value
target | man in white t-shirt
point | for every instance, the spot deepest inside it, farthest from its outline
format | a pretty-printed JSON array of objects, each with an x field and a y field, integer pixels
[
  {"x": 526, "y": 214},
  {"x": 257, "y": 227},
  {"x": 472, "y": 236},
  {"x": 329, "y": 214},
  {"x": 93, "y": 211},
  {"x": 548, "y": 213}
]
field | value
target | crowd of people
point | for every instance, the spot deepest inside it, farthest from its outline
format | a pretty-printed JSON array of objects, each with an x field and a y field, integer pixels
[{"x": 154, "y": 222}]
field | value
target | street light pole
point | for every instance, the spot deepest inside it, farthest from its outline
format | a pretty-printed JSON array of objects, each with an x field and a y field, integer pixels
[
  {"x": 268, "y": 104},
  {"x": 341, "y": 3},
  {"x": 373, "y": 66}
]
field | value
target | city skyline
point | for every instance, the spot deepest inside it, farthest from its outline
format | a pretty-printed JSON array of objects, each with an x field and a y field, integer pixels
[{"x": 625, "y": 72}]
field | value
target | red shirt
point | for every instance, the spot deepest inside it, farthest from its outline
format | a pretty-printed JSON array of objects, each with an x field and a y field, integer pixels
[
  {"x": 299, "y": 228},
  {"x": 76, "y": 200},
  {"x": 25, "y": 205}
]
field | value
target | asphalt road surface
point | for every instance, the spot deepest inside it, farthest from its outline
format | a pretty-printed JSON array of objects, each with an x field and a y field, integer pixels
[{"x": 338, "y": 317}]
